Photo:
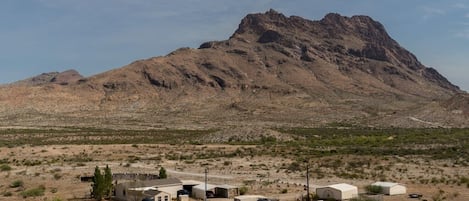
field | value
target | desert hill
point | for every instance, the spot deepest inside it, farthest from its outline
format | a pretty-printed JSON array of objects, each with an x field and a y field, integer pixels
[
  {"x": 64, "y": 78},
  {"x": 273, "y": 71}
]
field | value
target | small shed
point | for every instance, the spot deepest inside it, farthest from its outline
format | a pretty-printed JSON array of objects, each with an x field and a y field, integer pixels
[
  {"x": 390, "y": 188},
  {"x": 337, "y": 191},
  {"x": 155, "y": 195},
  {"x": 226, "y": 191}
]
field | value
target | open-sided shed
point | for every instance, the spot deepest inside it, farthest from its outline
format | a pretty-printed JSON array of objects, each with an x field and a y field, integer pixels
[
  {"x": 390, "y": 188},
  {"x": 199, "y": 192},
  {"x": 337, "y": 191}
]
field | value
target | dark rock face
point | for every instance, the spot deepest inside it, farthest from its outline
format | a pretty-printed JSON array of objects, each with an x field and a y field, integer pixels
[
  {"x": 433, "y": 75},
  {"x": 269, "y": 36},
  {"x": 372, "y": 51},
  {"x": 349, "y": 41}
]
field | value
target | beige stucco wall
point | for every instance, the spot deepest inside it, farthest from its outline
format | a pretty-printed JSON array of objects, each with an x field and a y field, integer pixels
[{"x": 172, "y": 190}]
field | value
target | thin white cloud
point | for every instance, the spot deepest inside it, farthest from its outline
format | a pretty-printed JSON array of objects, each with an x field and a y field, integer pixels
[
  {"x": 430, "y": 12},
  {"x": 434, "y": 11},
  {"x": 460, "y": 6},
  {"x": 463, "y": 34}
]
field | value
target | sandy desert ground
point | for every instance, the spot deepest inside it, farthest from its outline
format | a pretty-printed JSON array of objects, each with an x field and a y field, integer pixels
[{"x": 59, "y": 167}]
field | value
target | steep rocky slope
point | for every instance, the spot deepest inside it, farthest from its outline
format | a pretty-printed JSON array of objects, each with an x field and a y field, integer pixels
[
  {"x": 458, "y": 104},
  {"x": 274, "y": 70}
]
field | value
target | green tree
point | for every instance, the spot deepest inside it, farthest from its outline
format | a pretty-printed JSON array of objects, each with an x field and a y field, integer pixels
[
  {"x": 107, "y": 181},
  {"x": 98, "y": 184},
  {"x": 163, "y": 174}
]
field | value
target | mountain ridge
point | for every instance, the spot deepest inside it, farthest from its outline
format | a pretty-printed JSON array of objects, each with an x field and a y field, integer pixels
[{"x": 273, "y": 70}]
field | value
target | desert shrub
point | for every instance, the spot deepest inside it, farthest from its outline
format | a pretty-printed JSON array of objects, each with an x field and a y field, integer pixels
[
  {"x": 440, "y": 196},
  {"x": 16, "y": 184},
  {"x": 55, "y": 170},
  {"x": 7, "y": 194},
  {"x": 371, "y": 189},
  {"x": 464, "y": 180},
  {"x": 34, "y": 192},
  {"x": 5, "y": 167},
  {"x": 57, "y": 176},
  {"x": 294, "y": 166},
  {"x": 243, "y": 190},
  {"x": 284, "y": 191},
  {"x": 31, "y": 162}
]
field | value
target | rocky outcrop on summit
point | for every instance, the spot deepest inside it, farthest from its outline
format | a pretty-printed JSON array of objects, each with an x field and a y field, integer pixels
[
  {"x": 62, "y": 78},
  {"x": 67, "y": 77},
  {"x": 273, "y": 70}
]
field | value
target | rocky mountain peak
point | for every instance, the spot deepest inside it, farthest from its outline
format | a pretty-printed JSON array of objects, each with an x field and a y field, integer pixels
[
  {"x": 259, "y": 23},
  {"x": 62, "y": 78}
]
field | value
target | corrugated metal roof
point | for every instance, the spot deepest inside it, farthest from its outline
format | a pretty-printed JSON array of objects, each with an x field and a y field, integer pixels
[
  {"x": 153, "y": 183},
  {"x": 152, "y": 192},
  {"x": 191, "y": 182},
  {"x": 202, "y": 186}
]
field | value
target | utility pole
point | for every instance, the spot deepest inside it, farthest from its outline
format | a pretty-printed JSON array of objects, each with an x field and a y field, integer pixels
[
  {"x": 205, "y": 193},
  {"x": 307, "y": 182}
]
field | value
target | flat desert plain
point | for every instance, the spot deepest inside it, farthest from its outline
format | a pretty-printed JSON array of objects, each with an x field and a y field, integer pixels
[{"x": 58, "y": 168}]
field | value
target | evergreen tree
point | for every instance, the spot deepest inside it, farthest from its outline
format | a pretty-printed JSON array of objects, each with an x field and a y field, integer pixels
[
  {"x": 163, "y": 174},
  {"x": 98, "y": 184},
  {"x": 107, "y": 181}
]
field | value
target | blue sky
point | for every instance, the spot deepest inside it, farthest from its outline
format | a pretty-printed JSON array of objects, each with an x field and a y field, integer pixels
[{"x": 93, "y": 36}]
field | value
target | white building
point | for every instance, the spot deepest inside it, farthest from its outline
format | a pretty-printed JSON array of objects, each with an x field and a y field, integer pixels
[
  {"x": 338, "y": 192},
  {"x": 160, "y": 189},
  {"x": 390, "y": 188}
]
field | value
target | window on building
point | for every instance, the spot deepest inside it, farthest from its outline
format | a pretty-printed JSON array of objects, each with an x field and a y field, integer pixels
[
  {"x": 166, "y": 198},
  {"x": 159, "y": 198}
]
